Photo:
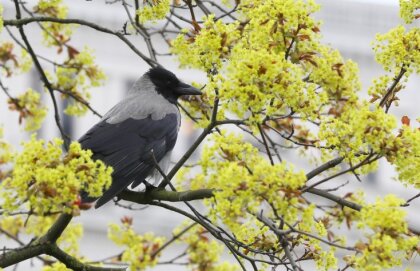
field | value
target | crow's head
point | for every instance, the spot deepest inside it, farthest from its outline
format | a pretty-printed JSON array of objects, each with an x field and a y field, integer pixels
[{"x": 168, "y": 85}]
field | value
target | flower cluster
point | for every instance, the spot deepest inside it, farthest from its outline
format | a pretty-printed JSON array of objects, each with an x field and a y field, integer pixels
[
  {"x": 405, "y": 155},
  {"x": 141, "y": 250},
  {"x": 78, "y": 74},
  {"x": 5, "y": 151},
  {"x": 289, "y": 71},
  {"x": 50, "y": 181},
  {"x": 12, "y": 224},
  {"x": 54, "y": 34},
  {"x": 337, "y": 77},
  {"x": 244, "y": 180},
  {"x": 203, "y": 252},
  {"x": 1, "y": 17},
  {"x": 209, "y": 47},
  {"x": 156, "y": 10},
  {"x": 408, "y": 9},
  {"x": 356, "y": 133},
  {"x": 398, "y": 49},
  {"x": 324, "y": 256},
  {"x": 30, "y": 109},
  {"x": 10, "y": 63},
  {"x": 379, "y": 87},
  {"x": 6, "y": 156},
  {"x": 387, "y": 240}
]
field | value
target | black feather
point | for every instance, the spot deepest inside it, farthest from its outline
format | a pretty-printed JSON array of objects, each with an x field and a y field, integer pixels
[{"x": 127, "y": 146}]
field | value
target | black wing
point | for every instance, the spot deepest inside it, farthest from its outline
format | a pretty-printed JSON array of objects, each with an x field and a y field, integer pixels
[{"x": 127, "y": 146}]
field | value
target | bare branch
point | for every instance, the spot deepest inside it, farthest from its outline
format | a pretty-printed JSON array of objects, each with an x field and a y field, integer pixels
[
  {"x": 330, "y": 164},
  {"x": 23, "y": 21},
  {"x": 391, "y": 89},
  {"x": 164, "y": 195},
  {"x": 43, "y": 75}
]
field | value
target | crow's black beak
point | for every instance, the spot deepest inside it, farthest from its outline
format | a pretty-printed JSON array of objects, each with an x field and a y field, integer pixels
[{"x": 185, "y": 89}]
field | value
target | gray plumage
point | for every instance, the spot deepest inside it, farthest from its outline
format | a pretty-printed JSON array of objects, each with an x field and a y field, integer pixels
[
  {"x": 146, "y": 121},
  {"x": 142, "y": 100}
]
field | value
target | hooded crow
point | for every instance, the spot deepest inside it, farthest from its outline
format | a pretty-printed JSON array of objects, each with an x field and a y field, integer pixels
[{"x": 138, "y": 132}]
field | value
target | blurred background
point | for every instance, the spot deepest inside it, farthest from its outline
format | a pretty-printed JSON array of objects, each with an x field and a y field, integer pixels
[{"x": 349, "y": 26}]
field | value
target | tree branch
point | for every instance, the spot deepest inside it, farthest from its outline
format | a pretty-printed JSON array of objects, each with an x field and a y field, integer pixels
[
  {"x": 43, "y": 75},
  {"x": 335, "y": 198},
  {"x": 366, "y": 161},
  {"x": 21, "y": 254},
  {"x": 164, "y": 195},
  {"x": 57, "y": 228},
  {"x": 194, "y": 146},
  {"x": 23, "y": 21},
  {"x": 330, "y": 164},
  {"x": 73, "y": 263},
  {"x": 391, "y": 89}
]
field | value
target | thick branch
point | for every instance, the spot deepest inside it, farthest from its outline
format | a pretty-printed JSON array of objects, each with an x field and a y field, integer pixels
[
  {"x": 21, "y": 254},
  {"x": 164, "y": 195},
  {"x": 38, "y": 246},
  {"x": 335, "y": 198},
  {"x": 57, "y": 228},
  {"x": 324, "y": 167},
  {"x": 73, "y": 263},
  {"x": 346, "y": 203},
  {"x": 366, "y": 161}
]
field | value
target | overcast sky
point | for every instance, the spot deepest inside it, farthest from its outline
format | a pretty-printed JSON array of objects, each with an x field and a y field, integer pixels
[{"x": 384, "y": 2}]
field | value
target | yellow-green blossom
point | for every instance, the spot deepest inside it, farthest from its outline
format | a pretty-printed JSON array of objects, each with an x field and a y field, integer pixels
[
  {"x": 154, "y": 11},
  {"x": 141, "y": 251},
  {"x": 1, "y": 17},
  {"x": 76, "y": 77},
  {"x": 207, "y": 49},
  {"x": 358, "y": 130},
  {"x": 203, "y": 252},
  {"x": 51, "y": 181},
  {"x": 379, "y": 87},
  {"x": 54, "y": 34},
  {"x": 385, "y": 216},
  {"x": 260, "y": 67},
  {"x": 408, "y": 9},
  {"x": 57, "y": 266},
  {"x": 5, "y": 150},
  {"x": 405, "y": 155},
  {"x": 389, "y": 243},
  {"x": 10, "y": 62},
  {"x": 326, "y": 260},
  {"x": 244, "y": 180},
  {"x": 338, "y": 77},
  {"x": 399, "y": 48},
  {"x": 30, "y": 109},
  {"x": 12, "y": 224}
]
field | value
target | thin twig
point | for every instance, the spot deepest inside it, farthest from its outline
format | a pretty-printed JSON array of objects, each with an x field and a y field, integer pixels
[
  {"x": 267, "y": 148},
  {"x": 391, "y": 88},
  {"x": 23, "y": 21},
  {"x": 44, "y": 78}
]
